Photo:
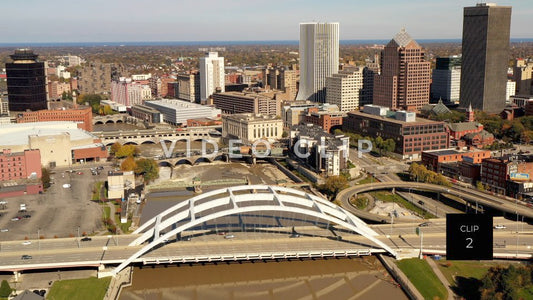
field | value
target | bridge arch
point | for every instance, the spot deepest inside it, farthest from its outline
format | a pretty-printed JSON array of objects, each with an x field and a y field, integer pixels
[
  {"x": 99, "y": 123},
  {"x": 148, "y": 142},
  {"x": 238, "y": 200},
  {"x": 202, "y": 160},
  {"x": 183, "y": 162},
  {"x": 110, "y": 122}
]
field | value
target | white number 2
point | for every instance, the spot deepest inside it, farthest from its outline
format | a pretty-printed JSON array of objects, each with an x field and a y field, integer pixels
[{"x": 469, "y": 245}]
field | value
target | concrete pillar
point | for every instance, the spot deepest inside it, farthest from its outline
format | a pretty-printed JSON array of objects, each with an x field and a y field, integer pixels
[
  {"x": 17, "y": 275},
  {"x": 156, "y": 227}
]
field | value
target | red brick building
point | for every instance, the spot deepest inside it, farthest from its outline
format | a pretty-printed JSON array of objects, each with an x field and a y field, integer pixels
[
  {"x": 164, "y": 85},
  {"x": 20, "y": 165},
  {"x": 82, "y": 115},
  {"x": 433, "y": 159},
  {"x": 404, "y": 81},
  {"x": 496, "y": 172},
  {"x": 324, "y": 119}
]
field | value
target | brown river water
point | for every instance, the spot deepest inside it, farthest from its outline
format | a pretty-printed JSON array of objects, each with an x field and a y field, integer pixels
[{"x": 345, "y": 278}]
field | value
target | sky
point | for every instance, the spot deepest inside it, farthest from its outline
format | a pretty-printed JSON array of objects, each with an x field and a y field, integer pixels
[{"x": 38, "y": 21}]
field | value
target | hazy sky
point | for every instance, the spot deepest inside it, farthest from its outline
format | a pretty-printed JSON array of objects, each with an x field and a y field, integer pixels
[{"x": 218, "y": 20}]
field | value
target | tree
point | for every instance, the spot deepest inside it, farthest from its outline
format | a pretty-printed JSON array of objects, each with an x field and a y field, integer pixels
[
  {"x": 126, "y": 150},
  {"x": 5, "y": 289},
  {"x": 148, "y": 168},
  {"x": 389, "y": 145},
  {"x": 115, "y": 148},
  {"x": 45, "y": 177},
  {"x": 128, "y": 164},
  {"x": 334, "y": 184}
]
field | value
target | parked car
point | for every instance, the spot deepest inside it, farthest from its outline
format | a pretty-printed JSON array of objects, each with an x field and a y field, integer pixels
[
  {"x": 4, "y": 230},
  {"x": 15, "y": 219},
  {"x": 499, "y": 226},
  {"x": 25, "y": 256}
]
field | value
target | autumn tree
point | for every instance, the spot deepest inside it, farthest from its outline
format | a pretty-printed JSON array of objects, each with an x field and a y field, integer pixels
[
  {"x": 126, "y": 150},
  {"x": 128, "y": 164},
  {"x": 334, "y": 184}
]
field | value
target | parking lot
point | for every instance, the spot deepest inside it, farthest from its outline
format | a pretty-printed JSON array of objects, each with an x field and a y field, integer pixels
[{"x": 59, "y": 211}]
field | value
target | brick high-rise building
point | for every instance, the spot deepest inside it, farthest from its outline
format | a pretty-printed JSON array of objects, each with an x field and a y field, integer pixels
[
  {"x": 189, "y": 87},
  {"x": 345, "y": 88},
  {"x": 405, "y": 77},
  {"x": 26, "y": 81},
  {"x": 486, "y": 32},
  {"x": 280, "y": 78},
  {"x": 95, "y": 78}
]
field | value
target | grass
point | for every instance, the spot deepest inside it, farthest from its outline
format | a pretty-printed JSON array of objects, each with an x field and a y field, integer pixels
[
  {"x": 368, "y": 179},
  {"x": 107, "y": 211},
  {"x": 390, "y": 197},
  {"x": 421, "y": 275},
  {"x": 360, "y": 202},
  {"x": 79, "y": 289},
  {"x": 468, "y": 269},
  {"x": 97, "y": 190}
]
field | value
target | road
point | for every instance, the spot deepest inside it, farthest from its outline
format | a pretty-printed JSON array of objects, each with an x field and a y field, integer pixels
[{"x": 107, "y": 250}]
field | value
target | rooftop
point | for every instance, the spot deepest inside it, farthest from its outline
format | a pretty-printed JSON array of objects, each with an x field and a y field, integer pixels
[
  {"x": 17, "y": 134},
  {"x": 403, "y": 39},
  {"x": 176, "y": 104},
  {"x": 418, "y": 121},
  {"x": 251, "y": 117}
]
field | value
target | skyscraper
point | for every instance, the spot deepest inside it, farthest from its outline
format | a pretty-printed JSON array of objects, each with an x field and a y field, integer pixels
[
  {"x": 345, "y": 88},
  {"x": 26, "y": 82},
  {"x": 405, "y": 76},
  {"x": 319, "y": 58},
  {"x": 447, "y": 79},
  {"x": 211, "y": 75},
  {"x": 486, "y": 32}
]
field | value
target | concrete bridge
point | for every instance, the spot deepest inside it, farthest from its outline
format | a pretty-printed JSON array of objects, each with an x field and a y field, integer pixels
[
  {"x": 156, "y": 136},
  {"x": 114, "y": 119}
]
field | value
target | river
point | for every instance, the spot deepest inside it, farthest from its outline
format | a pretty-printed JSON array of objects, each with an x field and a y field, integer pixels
[{"x": 345, "y": 278}]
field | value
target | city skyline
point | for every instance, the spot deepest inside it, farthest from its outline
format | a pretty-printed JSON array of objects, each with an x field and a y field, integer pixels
[{"x": 206, "y": 20}]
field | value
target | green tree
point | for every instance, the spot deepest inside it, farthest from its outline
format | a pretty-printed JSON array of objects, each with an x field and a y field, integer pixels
[
  {"x": 334, "y": 184},
  {"x": 389, "y": 145},
  {"x": 45, "y": 177},
  {"x": 5, "y": 289},
  {"x": 115, "y": 148},
  {"x": 148, "y": 168},
  {"x": 479, "y": 186}
]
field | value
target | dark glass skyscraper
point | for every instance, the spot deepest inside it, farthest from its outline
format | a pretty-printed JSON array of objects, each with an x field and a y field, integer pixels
[
  {"x": 486, "y": 33},
  {"x": 26, "y": 82}
]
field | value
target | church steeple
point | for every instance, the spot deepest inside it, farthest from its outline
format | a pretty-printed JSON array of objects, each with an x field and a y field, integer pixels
[{"x": 470, "y": 114}]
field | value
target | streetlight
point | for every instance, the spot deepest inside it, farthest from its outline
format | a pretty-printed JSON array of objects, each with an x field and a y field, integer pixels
[{"x": 38, "y": 239}]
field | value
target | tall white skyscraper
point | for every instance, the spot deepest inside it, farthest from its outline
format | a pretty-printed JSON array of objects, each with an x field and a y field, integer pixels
[
  {"x": 211, "y": 74},
  {"x": 319, "y": 58},
  {"x": 344, "y": 88}
]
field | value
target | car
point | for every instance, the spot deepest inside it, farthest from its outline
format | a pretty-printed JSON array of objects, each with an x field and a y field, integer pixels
[
  {"x": 25, "y": 256},
  {"x": 66, "y": 185},
  {"x": 4, "y": 230},
  {"x": 229, "y": 236},
  {"x": 295, "y": 235},
  {"x": 80, "y": 173},
  {"x": 499, "y": 226},
  {"x": 26, "y": 216},
  {"x": 100, "y": 168},
  {"x": 421, "y": 202},
  {"x": 15, "y": 219},
  {"x": 26, "y": 243},
  {"x": 425, "y": 224},
  {"x": 86, "y": 239}
]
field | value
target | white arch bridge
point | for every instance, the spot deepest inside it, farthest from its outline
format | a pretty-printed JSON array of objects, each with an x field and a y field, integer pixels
[{"x": 242, "y": 203}]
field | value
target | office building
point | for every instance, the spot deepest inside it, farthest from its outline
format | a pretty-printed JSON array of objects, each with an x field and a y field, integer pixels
[
  {"x": 237, "y": 103},
  {"x": 325, "y": 119},
  {"x": 510, "y": 90},
  {"x": 446, "y": 79},
  {"x": 211, "y": 75},
  {"x": 319, "y": 58},
  {"x": 404, "y": 81},
  {"x": 189, "y": 87},
  {"x": 146, "y": 113},
  {"x": 177, "y": 112},
  {"x": 344, "y": 89},
  {"x": 129, "y": 93},
  {"x": 411, "y": 134},
  {"x": 522, "y": 74},
  {"x": 251, "y": 127},
  {"x": 282, "y": 79},
  {"x": 497, "y": 173},
  {"x": 371, "y": 68},
  {"x": 486, "y": 32},
  {"x": 26, "y": 82}
]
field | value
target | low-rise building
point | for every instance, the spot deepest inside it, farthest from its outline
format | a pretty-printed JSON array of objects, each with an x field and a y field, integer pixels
[
  {"x": 203, "y": 122},
  {"x": 296, "y": 112},
  {"x": 326, "y": 120},
  {"x": 146, "y": 113},
  {"x": 82, "y": 116},
  {"x": 117, "y": 182},
  {"x": 177, "y": 112},
  {"x": 411, "y": 134},
  {"x": 254, "y": 103},
  {"x": 497, "y": 172},
  {"x": 20, "y": 165},
  {"x": 325, "y": 153},
  {"x": 250, "y": 128},
  {"x": 60, "y": 143},
  {"x": 433, "y": 159}
]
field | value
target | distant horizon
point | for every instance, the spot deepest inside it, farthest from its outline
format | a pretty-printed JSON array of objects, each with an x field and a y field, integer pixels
[{"x": 225, "y": 42}]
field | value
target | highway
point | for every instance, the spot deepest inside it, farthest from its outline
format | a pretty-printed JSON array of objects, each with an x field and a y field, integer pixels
[{"x": 273, "y": 242}]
